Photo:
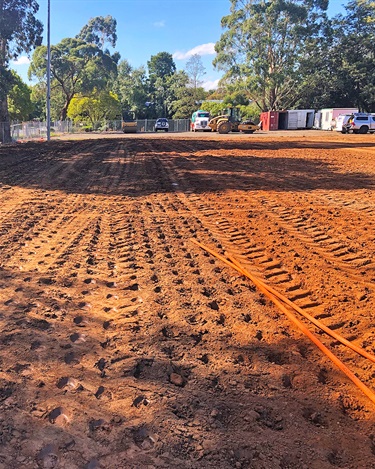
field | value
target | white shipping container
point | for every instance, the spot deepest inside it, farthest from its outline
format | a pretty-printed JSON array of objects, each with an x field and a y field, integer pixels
[{"x": 301, "y": 119}]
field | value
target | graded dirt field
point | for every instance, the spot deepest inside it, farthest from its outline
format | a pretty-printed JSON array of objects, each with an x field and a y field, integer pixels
[{"x": 125, "y": 345}]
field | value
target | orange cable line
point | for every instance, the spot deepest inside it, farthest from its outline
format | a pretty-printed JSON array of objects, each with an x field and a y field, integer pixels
[{"x": 367, "y": 391}]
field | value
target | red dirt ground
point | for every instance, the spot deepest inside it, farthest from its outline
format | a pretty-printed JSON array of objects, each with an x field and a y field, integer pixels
[{"x": 124, "y": 345}]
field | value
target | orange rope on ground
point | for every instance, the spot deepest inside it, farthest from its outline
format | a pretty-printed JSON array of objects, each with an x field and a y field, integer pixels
[
  {"x": 367, "y": 391},
  {"x": 299, "y": 310}
]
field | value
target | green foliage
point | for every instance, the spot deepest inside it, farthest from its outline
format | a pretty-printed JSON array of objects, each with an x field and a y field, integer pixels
[
  {"x": 132, "y": 87},
  {"x": 161, "y": 65},
  {"x": 19, "y": 31},
  {"x": 95, "y": 109},
  {"x": 262, "y": 47},
  {"x": 19, "y": 28},
  {"x": 99, "y": 30},
  {"x": 183, "y": 100},
  {"x": 19, "y": 100},
  {"x": 356, "y": 33},
  {"x": 76, "y": 67}
]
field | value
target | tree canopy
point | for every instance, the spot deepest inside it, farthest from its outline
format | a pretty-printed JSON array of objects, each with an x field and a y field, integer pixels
[
  {"x": 99, "y": 31},
  {"x": 19, "y": 31},
  {"x": 76, "y": 67},
  {"x": 263, "y": 45}
]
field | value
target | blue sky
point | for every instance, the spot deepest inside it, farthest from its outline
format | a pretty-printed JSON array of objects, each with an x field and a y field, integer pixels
[{"x": 147, "y": 27}]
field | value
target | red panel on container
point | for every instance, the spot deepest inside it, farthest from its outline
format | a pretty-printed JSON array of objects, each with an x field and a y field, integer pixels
[
  {"x": 274, "y": 120},
  {"x": 270, "y": 120}
]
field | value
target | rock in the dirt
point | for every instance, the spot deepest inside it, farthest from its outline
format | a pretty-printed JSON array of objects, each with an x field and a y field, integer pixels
[{"x": 176, "y": 379}]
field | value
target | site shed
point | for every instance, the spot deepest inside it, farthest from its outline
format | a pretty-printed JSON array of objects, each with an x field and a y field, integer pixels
[{"x": 330, "y": 114}]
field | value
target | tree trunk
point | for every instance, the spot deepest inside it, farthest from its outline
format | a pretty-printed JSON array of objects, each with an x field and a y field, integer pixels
[
  {"x": 64, "y": 110},
  {"x": 5, "y": 136}
]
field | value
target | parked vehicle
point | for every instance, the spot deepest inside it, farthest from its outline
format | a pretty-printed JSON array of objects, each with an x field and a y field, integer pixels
[
  {"x": 231, "y": 121},
  {"x": 341, "y": 121},
  {"x": 199, "y": 121},
  {"x": 162, "y": 124},
  {"x": 360, "y": 123}
]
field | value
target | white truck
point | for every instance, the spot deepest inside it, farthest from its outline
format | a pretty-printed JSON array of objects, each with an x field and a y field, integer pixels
[
  {"x": 199, "y": 121},
  {"x": 359, "y": 123}
]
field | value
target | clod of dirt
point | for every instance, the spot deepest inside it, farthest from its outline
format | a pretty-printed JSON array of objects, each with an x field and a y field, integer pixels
[
  {"x": 46, "y": 281},
  {"x": 176, "y": 379},
  {"x": 144, "y": 438},
  {"x": 96, "y": 424},
  {"x": 58, "y": 416},
  {"x": 48, "y": 457},
  {"x": 138, "y": 401},
  {"x": 77, "y": 338},
  {"x": 70, "y": 358},
  {"x": 80, "y": 321},
  {"x": 67, "y": 382},
  {"x": 99, "y": 392},
  {"x": 93, "y": 464}
]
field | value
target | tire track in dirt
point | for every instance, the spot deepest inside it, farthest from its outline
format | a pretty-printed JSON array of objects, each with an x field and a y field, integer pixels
[{"x": 309, "y": 235}]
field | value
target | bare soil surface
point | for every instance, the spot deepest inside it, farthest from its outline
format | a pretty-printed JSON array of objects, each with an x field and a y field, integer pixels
[{"x": 125, "y": 345}]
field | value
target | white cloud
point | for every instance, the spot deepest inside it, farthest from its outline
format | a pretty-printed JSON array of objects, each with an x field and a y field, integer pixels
[
  {"x": 159, "y": 24},
  {"x": 203, "y": 49},
  {"x": 210, "y": 85},
  {"x": 23, "y": 60}
]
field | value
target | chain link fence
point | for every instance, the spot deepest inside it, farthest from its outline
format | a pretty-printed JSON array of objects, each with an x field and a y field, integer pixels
[{"x": 35, "y": 130}]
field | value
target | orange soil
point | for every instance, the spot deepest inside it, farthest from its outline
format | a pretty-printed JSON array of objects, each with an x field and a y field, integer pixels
[{"x": 124, "y": 345}]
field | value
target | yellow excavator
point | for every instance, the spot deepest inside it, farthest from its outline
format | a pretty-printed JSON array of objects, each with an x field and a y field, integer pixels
[
  {"x": 129, "y": 124},
  {"x": 230, "y": 121}
]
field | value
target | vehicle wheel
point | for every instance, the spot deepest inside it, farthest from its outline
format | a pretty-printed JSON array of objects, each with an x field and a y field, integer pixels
[
  {"x": 344, "y": 131},
  {"x": 224, "y": 127},
  {"x": 363, "y": 129},
  {"x": 355, "y": 131},
  {"x": 165, "y": 130}
]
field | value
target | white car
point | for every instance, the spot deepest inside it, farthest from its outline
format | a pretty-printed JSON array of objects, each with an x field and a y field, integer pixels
[{"x": 162, "y": 124}]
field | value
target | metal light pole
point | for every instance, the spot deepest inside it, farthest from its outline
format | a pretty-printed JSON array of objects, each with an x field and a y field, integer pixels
[{"x": 48, "y": 72}]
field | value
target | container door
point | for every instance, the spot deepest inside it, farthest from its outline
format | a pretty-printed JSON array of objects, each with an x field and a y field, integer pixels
[
  {"x": 310, "y": 119},
  {"x": 292, "y": 119},
  {"x": 264, "y": 120},
  {"x": 274, "y": 120},
  {"x": 301, "y": 123}
]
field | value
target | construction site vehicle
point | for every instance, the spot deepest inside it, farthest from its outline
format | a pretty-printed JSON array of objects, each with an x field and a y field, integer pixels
[
  {"x": 230, "y": 121},
  {"x": 129, "y": 124},
  {"x": 199, "y": 121}
]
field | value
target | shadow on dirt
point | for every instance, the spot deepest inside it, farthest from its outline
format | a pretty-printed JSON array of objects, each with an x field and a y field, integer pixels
[
  {"x": 233, "y": 409},
  {"x": 138, "y": 167}
]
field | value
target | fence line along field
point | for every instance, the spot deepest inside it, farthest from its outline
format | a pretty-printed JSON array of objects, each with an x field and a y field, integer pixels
[{"x": 126, "y": 345}]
